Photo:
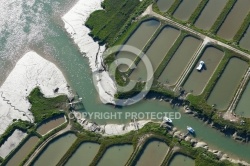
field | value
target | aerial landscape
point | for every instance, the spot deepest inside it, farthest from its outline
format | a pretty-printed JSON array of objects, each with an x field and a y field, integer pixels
[{"x": 125, "y": 82}]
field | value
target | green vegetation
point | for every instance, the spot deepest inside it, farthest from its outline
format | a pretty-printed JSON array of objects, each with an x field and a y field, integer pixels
[
  {"x": 174, "y": 6},
  {"x": 223, "y": 16},
  {"x": 43, "y": 108},
  {"x": 242, "y": 30},
  {"x": 197, "y": 11}
]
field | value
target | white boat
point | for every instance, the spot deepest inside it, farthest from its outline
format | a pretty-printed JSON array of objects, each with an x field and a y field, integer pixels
[
  {"x": 167, "y": 120},
  {"x": 199, "y": 68},
  {"x": 190, "y": 129}
]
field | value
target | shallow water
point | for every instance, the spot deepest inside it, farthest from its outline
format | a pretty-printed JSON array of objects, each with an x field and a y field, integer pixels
[
  {"x": 243, "y": 106},
  {"x": 164, "y": 5},
  {"x": 49, "y": 125},
  {"x": 180, "y": 60},
  {"x": 197, "y": 81},
  {"x": 181, "y": 160},
  {"x": 186, "y": 8},
  {"x": 55, "y": 150},
  {"x": 226, "y": 86},
  {"x": 116, "y": 155},
  {"x": 244, "y": 42},
  {"x": 234, "y": 19},
  {"x": 207, "y": 18},
  {"x": 153, "y": 154},
  {"x": 84, "y": 154}
]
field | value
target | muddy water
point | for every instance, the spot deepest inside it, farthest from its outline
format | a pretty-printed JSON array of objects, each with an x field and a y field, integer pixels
[
  {"x": 116, "y": 155},
  {"x": 234, "y": 19},
  {"x": 179, "y": 60},
  {"x": 243, "y": 106},
  {"x": 179, "y": 160},
  {"x": 156, "y": 52},
  {"x": 198, "y": 80},
  {"x": 139, "y": 39},
  {"x": 49, "y": 125},
  {"x": 244, "y": 42},
  {"x": 153, "y": 154},
  {"x": 164, "y": 5},
  {"x": 207, "y": 18},
  {"x": 227, "y": 85},
  {"x": 186, "y": 8},
  {"x": 84, "y": 154},
  {"x": 55, "y": 150},
  {"x": 20, "y": 155}
]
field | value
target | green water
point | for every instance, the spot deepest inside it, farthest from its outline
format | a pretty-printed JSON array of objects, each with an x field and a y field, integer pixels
[
  {"x": 84, "y": 154},
  {"x": 116, "y": 155},
  {"x": 180, "y": 60},
  {"x": 156, "y": 52},
  {"x": 55, "y": 150},
  {"x": 234, "y": 19},
  {"x": 207, "y": 18},
  {"x": 53, "y": 43},
  {"x": 243, "y": 107},
  {"x": 227, "y": 85},
  {"x": 186, "y": 8},
  {"x": 181, "y": 160},
  {"x": 158, "y": 149},
  {"x": 244, "y": 42},
  {"x": 139, "y": 39},
  {"x": 197, "y": 81},
  {"x": 164, "y": 5}
]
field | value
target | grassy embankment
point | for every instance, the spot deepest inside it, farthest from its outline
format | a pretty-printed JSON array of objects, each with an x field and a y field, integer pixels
[{"x": 150, "y": 131}]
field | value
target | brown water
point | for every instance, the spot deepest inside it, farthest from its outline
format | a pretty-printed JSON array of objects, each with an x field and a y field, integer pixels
[
  {"x": 234, "y": 19},
  {"x": 55, "y": 150},
  {"x": 179, "y": 60},
  {"x": 49, "y": 125},
  {"x": 210, "y": 13},
  {"x": 227, "y": 85},
  {"x": 116, "y": 155},
  {"x": 20, "y": 155},
  {"x": 156, "y": 52},
  {"x": 84, "y": 154},
  {"x": 244, "y": 42},
  {"x": 198, "y": 80},
  {"x": 153, "y": 154},
  {"x": 181, "y": 160},
  {"x": 243, "y": 106},
  {"x": 164, "y": 5},
  {"x": 139, "y": 39},
  {"x": 186, "y": 8}
]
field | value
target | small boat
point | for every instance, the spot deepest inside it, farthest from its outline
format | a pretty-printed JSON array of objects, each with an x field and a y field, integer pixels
[
  {"x": 199, "y": 68},
  {"x": 190, "y": 129},
  {"x": 167, "y": 120}
]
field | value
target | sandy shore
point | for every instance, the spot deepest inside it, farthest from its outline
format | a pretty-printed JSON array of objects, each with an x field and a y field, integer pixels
[
  {"x": 75, "y": 25},
  {"x": 30, "y": 71}
]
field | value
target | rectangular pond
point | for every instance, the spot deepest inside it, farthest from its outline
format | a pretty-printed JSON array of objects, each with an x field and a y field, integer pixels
[
  {"x": 156, "y": 52},
  {"x": 186, "y": 8},
  {"x": 180, "y": 60},
  {"x": 55, "y": 150},
  {"x": 243, "y": 106},
  {"x": 139, "y": 39},
  {"x": 164, "y": 5},
  {"x": 227, "y": 85},
  {"x": 153, "y": 154},
  {"x": 197, "y": 80},
  {"x": 116, "y": 155},
  {"x": 84, "y": 154},
  {"x": 23, "y": 152},
  {"x": 50, "y": 124},
  {"x": 12, "y": 142},
  {"x": 210, "y": 13},
  {"x": 180, "y": 159},
  {"x": 234, "y": 19},
  {"x": 244, "y": 42}
]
